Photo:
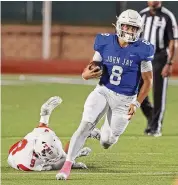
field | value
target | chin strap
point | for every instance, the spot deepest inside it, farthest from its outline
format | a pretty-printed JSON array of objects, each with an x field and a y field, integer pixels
[{"x": 114, "y": 25}]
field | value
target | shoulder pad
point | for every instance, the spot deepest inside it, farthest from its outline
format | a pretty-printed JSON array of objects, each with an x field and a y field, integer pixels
[
  {"x": 147, "y": 49},
  {"x": 101, "y": 40}
]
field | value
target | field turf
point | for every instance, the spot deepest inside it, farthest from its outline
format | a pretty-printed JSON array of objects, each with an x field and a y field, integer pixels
[{"x": 135, "y": 160}]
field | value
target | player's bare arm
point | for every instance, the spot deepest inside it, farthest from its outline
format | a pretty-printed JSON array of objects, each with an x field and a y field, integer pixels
[
  {"x": 172, "y": 48},
  {"x": 147, "y": 79},
  {"x": 167, "y": 70}
]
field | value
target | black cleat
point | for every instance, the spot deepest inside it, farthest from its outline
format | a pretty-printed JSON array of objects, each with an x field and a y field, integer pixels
[
  {"x": 154, "y": 133},
  {"x": 147, "y": 131}
]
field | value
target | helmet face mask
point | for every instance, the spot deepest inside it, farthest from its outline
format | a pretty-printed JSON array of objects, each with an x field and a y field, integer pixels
[
  {"x": 45, "y": 147},
  {"x": 129, "y": 26},
  {"x": 46, "y": 153}
]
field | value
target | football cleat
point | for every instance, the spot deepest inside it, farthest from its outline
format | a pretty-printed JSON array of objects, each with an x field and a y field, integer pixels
[
  {"x": 64, "y": 173},
  {"x": 95, "y": 134},
  {"x": 84, "y": 152},
  {"x": 79, "y": 165},
  {"x": 61, "y": 176},
  {"x": 147, "y": 131},
  {"x": 154, "y": 133},
  {"x": 50, "y": 105}
]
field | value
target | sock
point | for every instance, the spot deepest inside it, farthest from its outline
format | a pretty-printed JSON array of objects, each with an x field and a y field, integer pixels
[
  {"x": 45, "y": 119},
  {"x": 66, "y": 168}
]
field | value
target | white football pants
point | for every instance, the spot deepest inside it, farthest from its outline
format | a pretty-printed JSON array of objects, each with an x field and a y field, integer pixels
[{"x": 102, "y": 101}]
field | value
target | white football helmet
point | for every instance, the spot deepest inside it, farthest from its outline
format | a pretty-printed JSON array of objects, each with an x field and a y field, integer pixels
[
  {"x": 45, "y": 147},
  {"x": 129, "y": 17}
]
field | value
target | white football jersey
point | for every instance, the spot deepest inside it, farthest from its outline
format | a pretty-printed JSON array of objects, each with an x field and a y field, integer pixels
[{"x": 22, "y": 156}]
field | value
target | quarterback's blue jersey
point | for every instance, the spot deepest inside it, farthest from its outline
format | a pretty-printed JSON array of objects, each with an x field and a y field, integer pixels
[{"x": 122, "y": 65}]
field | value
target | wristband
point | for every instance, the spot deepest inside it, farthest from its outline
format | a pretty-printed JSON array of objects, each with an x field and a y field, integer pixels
[
  {"x": 136, "y": 103},
  {"x": 169, "y": 63}
]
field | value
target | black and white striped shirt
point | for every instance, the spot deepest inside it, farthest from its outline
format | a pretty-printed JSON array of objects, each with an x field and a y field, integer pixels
[{"x": 160, "y": 28}]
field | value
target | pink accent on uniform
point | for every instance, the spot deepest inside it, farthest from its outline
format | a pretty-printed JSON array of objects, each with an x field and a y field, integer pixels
[{"x": 66, "y": 168}]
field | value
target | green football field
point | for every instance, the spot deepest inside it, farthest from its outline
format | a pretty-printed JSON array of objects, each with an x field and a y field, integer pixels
[{"x": 135, "y": 160}]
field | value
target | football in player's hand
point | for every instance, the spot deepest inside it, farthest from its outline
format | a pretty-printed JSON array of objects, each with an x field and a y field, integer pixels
[{"x": 95, "y": 64}]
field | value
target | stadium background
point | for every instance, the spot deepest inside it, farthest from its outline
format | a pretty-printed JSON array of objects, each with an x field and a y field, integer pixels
[
  {"x": 136, "y": 159},
  {"x": 72, "y": 22}
]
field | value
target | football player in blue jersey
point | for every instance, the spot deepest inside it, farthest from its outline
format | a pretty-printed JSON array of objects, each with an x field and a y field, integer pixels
[{"x": 125, "y": 58}]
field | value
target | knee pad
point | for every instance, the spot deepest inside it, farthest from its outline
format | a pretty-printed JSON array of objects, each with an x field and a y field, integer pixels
[{"x": 107, "y": 142}]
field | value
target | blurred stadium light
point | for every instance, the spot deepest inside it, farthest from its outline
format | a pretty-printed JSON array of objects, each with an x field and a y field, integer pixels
[{"x": 28, "y": 36}]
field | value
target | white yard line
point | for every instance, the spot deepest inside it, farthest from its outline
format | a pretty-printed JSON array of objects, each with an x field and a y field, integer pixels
[
  {"x": 119, "y": 153},
  {"x": 123, "y": 137},
  {"x": 12, "y": 82},
  {"x": 26, "y": 80},
  {"x": 97, "y": 173},
  {"x": 12, "y": 138},
  {"x": 134, "y": 153},
  {"x": 30, "y": 79}
]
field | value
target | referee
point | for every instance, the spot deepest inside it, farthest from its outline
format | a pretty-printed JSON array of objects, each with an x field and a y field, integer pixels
[{"x": 160, "y": 29}]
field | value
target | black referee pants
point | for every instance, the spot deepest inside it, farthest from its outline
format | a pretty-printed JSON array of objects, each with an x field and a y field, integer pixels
[{"x": 155, "y": 114}]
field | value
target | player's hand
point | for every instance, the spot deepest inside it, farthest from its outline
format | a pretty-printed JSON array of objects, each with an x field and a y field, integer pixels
[
  {"x": 52, "y": 161},
  {"x": 47, "y": 168},
  {"x": 132, "y": 111},
  {"x": 88, "y": 74},
  {"x": 167, "y": 70}
]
